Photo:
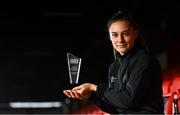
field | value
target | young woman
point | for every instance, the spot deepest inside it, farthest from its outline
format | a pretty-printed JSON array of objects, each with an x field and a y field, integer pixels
[{"x": 135, "y": 81}]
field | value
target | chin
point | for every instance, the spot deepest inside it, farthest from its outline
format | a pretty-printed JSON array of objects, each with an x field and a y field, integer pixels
[{"x": 122, "y": 51}]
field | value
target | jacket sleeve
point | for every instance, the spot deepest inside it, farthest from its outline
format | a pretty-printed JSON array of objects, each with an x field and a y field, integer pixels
[{"x": 137, "y": 87}]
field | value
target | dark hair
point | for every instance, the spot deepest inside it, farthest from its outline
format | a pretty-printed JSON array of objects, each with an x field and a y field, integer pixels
[
  {"x": 123, "y": 15},
  {"x": 127, "y": 16}
]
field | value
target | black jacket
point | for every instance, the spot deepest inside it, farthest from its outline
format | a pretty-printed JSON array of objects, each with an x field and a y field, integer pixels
[{"x": 135, "y": 85}]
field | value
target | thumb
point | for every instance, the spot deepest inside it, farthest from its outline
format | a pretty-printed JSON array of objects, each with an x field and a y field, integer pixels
[{"x": 76, "y": 88}]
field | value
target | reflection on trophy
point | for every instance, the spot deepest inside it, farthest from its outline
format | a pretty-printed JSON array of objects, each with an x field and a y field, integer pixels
[{"x": 74, "y": 64}]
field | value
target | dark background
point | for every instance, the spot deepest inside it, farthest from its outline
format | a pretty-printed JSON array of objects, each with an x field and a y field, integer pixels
[{"x": 35, "y": 37}]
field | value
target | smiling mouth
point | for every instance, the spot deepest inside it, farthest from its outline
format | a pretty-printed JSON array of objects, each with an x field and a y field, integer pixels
[{"x": 121, "y": 46}]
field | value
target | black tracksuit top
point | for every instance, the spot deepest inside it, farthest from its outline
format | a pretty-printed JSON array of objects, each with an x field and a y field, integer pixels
[{"x": 135, "y": 85}]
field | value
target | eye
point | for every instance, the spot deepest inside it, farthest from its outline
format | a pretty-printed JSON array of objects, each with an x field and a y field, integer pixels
[
  {"x": 114, "y": 34},
  {"x": 126, "y": 34}
]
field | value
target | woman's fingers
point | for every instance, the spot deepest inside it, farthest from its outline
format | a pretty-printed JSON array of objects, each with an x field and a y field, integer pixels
[
  {"x": 71, "y": 94},
  {"x": 67, "y": 93},
  {"x": 78, "y": 89},
  {"x": 75, "y": 95}
]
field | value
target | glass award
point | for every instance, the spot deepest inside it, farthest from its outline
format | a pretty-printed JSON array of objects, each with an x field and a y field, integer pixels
[{"x": 74, "y": 64}]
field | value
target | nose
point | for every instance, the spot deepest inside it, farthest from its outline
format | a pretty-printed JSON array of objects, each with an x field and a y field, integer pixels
[{"x": 120, "y": 38}]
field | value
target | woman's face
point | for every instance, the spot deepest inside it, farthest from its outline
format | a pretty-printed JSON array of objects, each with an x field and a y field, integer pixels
[{"x": 122, "y": 36}]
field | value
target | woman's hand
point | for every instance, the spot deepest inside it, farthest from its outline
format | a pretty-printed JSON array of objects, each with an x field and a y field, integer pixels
[
  {"x": 71, "y": 94},
  {"x": 75, "y": 95},
  {"x": 85, "y": 88},
  {"x": 81, "y": 92}
]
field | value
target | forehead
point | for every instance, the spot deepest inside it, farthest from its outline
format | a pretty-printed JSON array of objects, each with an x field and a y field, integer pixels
[{"x": 120, "y": 25}]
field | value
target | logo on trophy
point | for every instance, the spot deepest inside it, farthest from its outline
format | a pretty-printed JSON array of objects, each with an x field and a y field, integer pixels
[{"x": 74, "y": 64}]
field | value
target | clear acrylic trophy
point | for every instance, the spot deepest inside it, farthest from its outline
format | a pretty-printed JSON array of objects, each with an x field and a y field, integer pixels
[{"x": 74, "y": 64}]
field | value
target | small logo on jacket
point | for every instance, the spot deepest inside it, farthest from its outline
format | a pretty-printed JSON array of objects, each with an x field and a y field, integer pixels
[{"x": 113, "y": 79}]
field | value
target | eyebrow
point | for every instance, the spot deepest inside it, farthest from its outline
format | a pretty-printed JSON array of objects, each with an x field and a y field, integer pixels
[
  {"x": 126, "y": 30},
  {"x": 123, "y": 31}
]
